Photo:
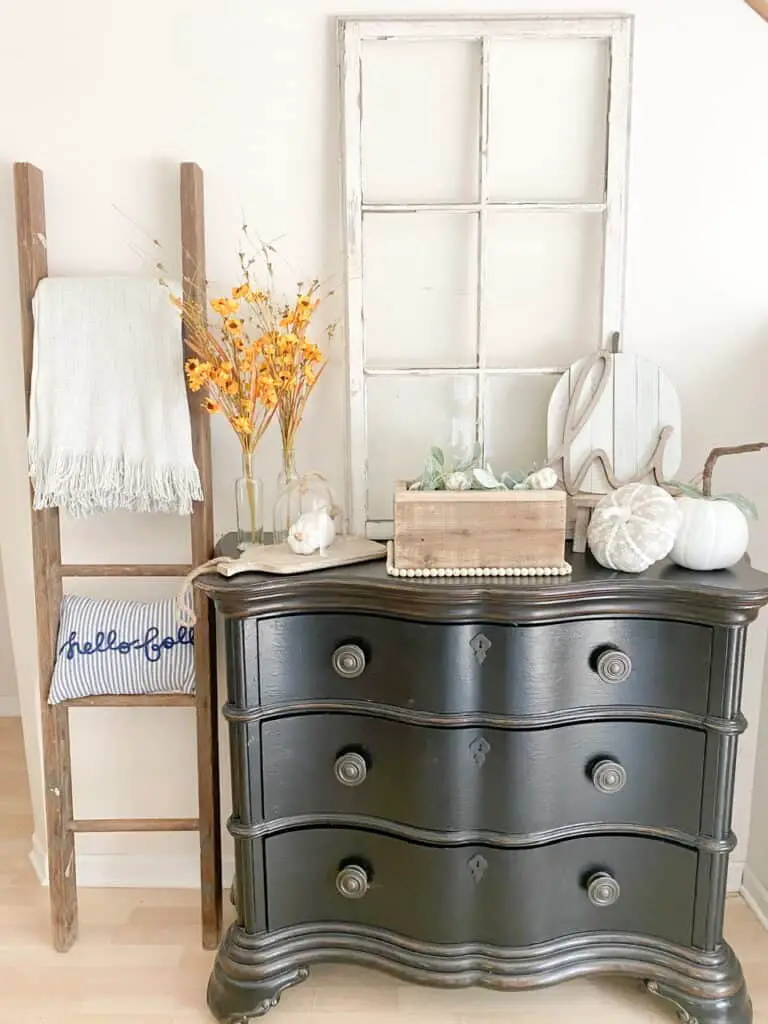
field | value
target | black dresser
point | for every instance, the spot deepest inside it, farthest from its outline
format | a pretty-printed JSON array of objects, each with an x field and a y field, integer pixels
[{"x": 500, "y": 782}]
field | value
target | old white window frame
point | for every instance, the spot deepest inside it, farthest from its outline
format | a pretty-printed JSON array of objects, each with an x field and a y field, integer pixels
[{"x": 353, "y": 32}]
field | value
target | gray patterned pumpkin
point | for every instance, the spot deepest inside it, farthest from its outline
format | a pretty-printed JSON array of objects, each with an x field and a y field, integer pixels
[{"x": 633, "y": 527}]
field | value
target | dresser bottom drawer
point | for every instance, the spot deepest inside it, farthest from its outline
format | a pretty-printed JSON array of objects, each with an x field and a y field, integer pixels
[{"x": 481, "y": 894}]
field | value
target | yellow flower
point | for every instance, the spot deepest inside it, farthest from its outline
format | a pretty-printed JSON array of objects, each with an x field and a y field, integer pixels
[
  {"x": 233, "y": 325},
  {"x": 225, "y": 307},
  {"x": 211, "y": 406},
  {"x": 309, "y": 375},
  {"x": 305, "y": 307},
  {"x": 241, "y": 292},
  {"x": 259, "y": 296},
  {"x": 242, "y": 424},
  {"x": 247, "y": 405},
  {"x": 311, "y": 353},
  {"x": 198, "y": 374}
]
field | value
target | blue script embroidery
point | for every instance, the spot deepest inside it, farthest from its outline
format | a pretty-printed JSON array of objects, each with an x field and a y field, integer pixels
[{"x": 106, "y": 642}]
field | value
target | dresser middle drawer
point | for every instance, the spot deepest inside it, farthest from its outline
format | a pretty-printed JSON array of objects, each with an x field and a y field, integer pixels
[{"x": 517, "y": 782}]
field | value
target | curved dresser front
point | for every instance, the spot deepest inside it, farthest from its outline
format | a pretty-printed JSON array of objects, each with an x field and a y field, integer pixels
[{"x": 503, "y": 782}]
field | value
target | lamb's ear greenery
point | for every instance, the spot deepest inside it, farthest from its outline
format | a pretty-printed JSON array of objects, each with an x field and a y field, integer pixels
[
  {"x": 744, "y": 504},
  {"x": 747, "y": 507},
  {"x": 437, "y": 469}
]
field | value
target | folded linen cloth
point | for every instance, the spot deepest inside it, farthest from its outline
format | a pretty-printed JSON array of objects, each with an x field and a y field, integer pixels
[{"x": 109, "y": 423}]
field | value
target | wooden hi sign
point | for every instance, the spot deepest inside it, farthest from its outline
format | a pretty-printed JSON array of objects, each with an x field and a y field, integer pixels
[{"x": 613, "y": 419}]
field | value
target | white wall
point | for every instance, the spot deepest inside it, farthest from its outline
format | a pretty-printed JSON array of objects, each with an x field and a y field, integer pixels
[
  {"x": 756, "y": 869},
  {"x": 107, "y": 99},
  {"x": 9, "y": 696}
]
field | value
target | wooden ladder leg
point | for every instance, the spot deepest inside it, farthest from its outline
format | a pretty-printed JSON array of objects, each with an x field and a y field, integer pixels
[
  {"x": 208, "y": 776},
  {"x": 194, "y": 283},
  {"x": 46, "y": 555}
]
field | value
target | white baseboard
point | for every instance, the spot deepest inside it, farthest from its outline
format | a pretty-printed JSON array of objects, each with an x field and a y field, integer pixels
[
  {"x": 735, "y": 876},
  {"x": 755, "y": 896},
  {"x": 143, "y": 872},
  {"x": 39, "y": 859},
  {"x": 103, "y": 871},
  {"x": 9, "y": 706}
]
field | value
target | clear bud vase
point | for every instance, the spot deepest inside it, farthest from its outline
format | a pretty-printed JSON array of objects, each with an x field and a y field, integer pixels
[
  {"x": 249, "y": 504},
  {"x": 288, "y": 503},
  {"x": 298, "y": 494}
]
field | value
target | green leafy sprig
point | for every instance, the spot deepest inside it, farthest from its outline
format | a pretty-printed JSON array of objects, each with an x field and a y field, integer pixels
[
  {"x": 472, "y": 474},
  {"x": 739, "y": 500}
]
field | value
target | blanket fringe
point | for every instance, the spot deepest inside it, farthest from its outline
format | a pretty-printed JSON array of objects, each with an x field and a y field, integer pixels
[{"x": 91, "y": 483}]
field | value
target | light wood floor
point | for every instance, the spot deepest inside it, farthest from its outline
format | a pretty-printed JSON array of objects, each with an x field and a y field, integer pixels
[{"x": 139, "y": 961}]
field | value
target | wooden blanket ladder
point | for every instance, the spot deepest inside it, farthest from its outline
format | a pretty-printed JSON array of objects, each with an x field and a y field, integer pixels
[{"x": 49, "y": 572}]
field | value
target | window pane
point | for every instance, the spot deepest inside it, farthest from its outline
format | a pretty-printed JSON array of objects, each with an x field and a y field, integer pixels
[
  {"x": 420, "y": 111},
  {"x": 548, "y": 115},
  {"x": 419, "y": 289},
  {"x": 516, "y": 420},
  {"x": 406, "y": 416},
  {"x": 543, "y": 298}
]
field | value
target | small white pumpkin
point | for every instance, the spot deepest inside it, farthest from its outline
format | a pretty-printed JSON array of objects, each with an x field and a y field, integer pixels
[
  {"x": 713, "y": 535},
  {"x": 633, "y": 527},
  {"x": 542, "y": 480},
  {"x": 457, "y": 482},
  {"x": 314, "y": 531}
]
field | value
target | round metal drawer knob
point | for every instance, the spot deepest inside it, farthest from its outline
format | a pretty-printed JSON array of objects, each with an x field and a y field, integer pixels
[
  {"x": 349, "y": 661},
  {"x": 352, "y": 882},
  {"x": 609, "y": 777},
  {"x": 603, "y": 890},
  {"x": 350, "y": 769},
  {"x": 614, "y": 666}
]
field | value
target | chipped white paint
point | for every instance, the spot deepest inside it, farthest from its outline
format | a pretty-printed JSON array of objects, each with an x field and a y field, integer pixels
[
  {"x": 548, "y": 207},
  {"x": 482, "y": 236},
  {"x": 616, "y": 31},
  {"x": 614, "y": 224},
  {"x": 352, "y": 155},
  {"x": 543, "y": 26}
]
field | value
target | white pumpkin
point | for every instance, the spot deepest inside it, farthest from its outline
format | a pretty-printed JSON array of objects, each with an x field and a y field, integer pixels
[
  {"x": 713, "y": 535},
  {"x": 314, "y": 531},
  {"x": 542, "y": 480},
  {"x": 633, "y": 527}
]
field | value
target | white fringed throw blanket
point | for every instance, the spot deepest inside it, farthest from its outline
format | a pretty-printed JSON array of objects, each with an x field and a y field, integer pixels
[{"x": 109, "y": 423}]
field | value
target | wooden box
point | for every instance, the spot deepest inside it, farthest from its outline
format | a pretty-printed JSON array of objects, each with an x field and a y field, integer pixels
[{"x": 479, "y": 529}]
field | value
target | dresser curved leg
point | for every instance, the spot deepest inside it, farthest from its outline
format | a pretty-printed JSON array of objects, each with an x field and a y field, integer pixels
[
  {"x": 232, "y": 1001},
  {"x": 735, "y": 1009}
]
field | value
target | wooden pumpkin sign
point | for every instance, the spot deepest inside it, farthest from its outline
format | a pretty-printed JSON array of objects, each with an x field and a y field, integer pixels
[{"x": 613, "y": 419}]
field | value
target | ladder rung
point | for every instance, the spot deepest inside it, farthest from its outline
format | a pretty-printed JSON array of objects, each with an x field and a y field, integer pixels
[
  {"x": 75, "y": 570},
  {"x": 135, "y": 825},
  {"x": 133, "y": 700}
]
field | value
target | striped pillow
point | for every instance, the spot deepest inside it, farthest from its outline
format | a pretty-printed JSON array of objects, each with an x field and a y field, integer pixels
[{"x": 121, "y": 647}]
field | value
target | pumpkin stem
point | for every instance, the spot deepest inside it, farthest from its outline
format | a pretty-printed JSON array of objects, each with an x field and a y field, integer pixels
[{"x": 714, "y": 455}]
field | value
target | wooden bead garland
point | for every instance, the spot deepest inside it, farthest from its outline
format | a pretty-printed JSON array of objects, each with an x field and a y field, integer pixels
[{"x": 559, "y": 570}]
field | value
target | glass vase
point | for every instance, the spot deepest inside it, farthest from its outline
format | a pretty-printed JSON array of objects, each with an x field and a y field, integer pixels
[
  {"x": 288, "y": 504},
  {"x": 298, "y": 494},
  {"x": 249, "y": 504}
]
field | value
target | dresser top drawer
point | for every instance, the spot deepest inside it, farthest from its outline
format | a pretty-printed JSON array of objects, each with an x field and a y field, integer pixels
[{"x": 525, "y": 671}]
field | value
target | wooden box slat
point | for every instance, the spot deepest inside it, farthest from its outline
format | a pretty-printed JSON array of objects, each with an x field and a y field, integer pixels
[{"x": 479, "y": 529}]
